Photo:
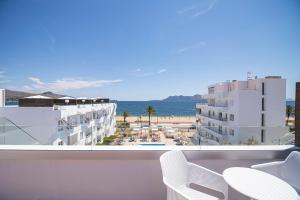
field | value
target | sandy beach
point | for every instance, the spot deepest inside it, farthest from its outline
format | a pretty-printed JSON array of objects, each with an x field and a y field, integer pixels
[{"x": 159, "y": 119}]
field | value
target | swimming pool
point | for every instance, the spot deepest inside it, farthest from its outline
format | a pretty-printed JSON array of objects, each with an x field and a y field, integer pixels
[{"x": 152, "y": 144}]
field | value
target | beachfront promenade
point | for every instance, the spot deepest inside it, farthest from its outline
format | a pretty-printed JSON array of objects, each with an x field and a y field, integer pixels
[
  {"x": 159, "y": 119},
  {"x": 173, "y": 130}
]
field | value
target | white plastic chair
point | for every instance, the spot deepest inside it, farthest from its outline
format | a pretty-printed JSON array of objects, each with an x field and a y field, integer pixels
[
  {"x": 178, "y": 174},
  {"x": 287, "y": 170}
]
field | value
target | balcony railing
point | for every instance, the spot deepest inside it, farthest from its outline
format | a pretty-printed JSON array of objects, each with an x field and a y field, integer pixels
[
  {"x": 217, "y": 130},
  {"x": 215, "y": 105},
  {"x": 10, "y": 133},
  {"x": 213, "y": 117},
  {"x": 200, "y": 105}
]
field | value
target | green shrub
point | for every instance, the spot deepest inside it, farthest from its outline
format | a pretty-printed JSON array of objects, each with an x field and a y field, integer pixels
[{"x": 108, "y": 140}]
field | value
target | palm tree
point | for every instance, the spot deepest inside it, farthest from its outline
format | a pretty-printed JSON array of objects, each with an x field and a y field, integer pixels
[
  {"x": 150, "y": 110},
  {"x": 289, "y": 111},
  {"x": 125, "y": 114}
]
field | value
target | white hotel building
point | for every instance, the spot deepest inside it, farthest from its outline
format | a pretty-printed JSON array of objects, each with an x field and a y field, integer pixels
[
  {"x": 42, "y": 120},
  {"x": 243, "y": 112}
]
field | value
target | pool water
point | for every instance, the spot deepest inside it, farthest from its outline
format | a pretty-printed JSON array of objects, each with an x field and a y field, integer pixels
[{"x": 152, "y": 144}]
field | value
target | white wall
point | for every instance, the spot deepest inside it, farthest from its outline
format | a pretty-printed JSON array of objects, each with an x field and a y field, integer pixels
[
  {"x": 2, "y": 97},
  {"x": 275, "y": 101},
  {"x": 249, "y": 108}
]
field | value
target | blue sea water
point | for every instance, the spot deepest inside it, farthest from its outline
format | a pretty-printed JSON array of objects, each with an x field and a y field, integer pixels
[
  {"x": 162, "y": 108},
  {"x": 291, "y": 103},
  {"x": 152, "y": 144}
]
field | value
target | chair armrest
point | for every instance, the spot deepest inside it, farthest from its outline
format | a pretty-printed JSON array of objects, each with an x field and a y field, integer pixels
[
  {"x": 174, "y": 193},
  {"x": 270, "y": 168},
  {"x": 207, "y": 178}
]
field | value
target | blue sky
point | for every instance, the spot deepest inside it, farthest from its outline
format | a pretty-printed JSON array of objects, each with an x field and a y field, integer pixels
[{"x": 141, "y": 50}]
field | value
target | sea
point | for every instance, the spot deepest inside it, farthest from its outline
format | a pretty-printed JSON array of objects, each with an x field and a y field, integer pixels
[{"x": 162, "y": 108}]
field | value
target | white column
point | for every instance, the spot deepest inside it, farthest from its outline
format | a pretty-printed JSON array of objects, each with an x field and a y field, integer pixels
[{"x": 2, "y": 97}]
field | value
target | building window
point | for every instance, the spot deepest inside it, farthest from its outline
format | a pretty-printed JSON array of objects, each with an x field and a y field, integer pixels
[
  {"x": 81, "y": 135},
  {"x": 263, "y": 104},
  {"x": 220, "y": 115},
  {"x": 200, "y": 111},
  {"x": 99, "y": 138},
  {"x": 213, "y": 113},
  {"x": 209, "y": 113},
  {"x": 263, "y": 88},
  {"x": 231, "y": 132},
  {"x": 231, "y": 117},
  {"x": 262, "y": 136},
  {"x": 262, "y": 119}
]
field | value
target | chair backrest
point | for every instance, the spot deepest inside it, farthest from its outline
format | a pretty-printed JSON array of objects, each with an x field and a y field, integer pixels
[
  {"x": 290, "y": 170},
  {"x": 174, "y": 168}
]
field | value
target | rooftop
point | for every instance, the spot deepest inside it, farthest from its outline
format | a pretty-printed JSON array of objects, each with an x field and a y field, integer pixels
[{"x": 43, "y": 101}]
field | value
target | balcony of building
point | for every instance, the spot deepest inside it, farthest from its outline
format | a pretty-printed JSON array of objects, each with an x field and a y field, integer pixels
[
  {"x": 111, "y": 173},
  {"x": 217, "y": 95},
  {"x": 213, "y": 118},
  {"x": 222, "y": 107}
]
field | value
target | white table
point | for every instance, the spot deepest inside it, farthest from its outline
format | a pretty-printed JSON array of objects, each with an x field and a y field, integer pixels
[{"x": 258, "y": 185}]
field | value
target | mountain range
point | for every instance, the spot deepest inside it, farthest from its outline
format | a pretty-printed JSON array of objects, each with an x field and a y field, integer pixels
[{"x": 181, "y": 98}]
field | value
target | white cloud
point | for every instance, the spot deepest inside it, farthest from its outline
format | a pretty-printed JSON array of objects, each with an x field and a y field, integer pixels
[
  {"x": 191, "y": 47},
  {"x": 206, "y": 10},
  {"x": 187, "y": 9},
  {"x": 36, "y": 80},
  {"x": 68, "y": 84},
  {"x": 161, "y": 71},
  {"x": 197, "y": 10},
  {"x": 139, "y": 72}
]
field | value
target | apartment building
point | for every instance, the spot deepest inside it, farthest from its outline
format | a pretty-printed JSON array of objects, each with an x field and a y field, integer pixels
[
  {"x": 244, "y": 112},
  {"x": 64, "y": 121}
]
